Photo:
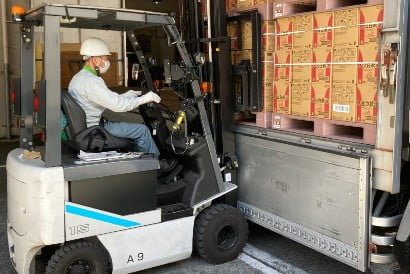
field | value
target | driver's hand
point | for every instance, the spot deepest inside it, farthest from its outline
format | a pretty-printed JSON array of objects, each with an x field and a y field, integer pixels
[
  {"x": 150, "y": 97},
  {"x": 133, "y": 93}
]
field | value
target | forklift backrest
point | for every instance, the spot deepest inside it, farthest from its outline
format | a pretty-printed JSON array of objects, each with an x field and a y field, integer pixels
[{"x": 75, "y": 115}]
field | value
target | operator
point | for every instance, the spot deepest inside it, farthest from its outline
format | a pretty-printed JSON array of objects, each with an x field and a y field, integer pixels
[{"x": 92, "y": 94}]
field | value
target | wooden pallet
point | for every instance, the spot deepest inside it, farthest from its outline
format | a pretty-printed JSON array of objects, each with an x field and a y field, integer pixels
[
  {"x": 262, "y": 120},
  {"x": 339, "y": 130},
  {"x": 283, "y": 8},
  {"x": 264, "y": 9}
]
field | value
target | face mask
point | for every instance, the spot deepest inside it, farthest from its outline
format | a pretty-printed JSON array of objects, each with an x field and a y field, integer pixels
[{"x": 105, "y": 68}]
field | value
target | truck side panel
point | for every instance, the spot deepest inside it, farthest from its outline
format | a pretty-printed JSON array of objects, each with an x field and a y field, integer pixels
[{"x": 308, "y": 195}]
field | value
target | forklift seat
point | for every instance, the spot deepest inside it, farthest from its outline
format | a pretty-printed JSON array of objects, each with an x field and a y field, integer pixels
[{"x": 92, "y": 139}]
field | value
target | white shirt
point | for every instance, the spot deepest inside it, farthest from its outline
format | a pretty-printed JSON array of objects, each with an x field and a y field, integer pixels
[{"x": 93, "y": 95}]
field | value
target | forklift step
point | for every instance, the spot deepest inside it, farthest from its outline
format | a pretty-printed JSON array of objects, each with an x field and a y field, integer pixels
[
  {"x": 264, "y": 9},
  {"x": 175, "y": 211},
  {"x": 339, "y": 130},
  {"x": 283, "y": 8}
]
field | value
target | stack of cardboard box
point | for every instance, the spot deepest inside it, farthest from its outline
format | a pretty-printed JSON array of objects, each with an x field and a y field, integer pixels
[
  {"x": 326, "y": 64},
  {"x": 356, "y": 57},
  {"x": 241, "y": 43}
]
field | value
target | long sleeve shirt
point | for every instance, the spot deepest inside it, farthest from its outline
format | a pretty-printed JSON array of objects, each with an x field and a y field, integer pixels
[{"x": 93, "y": 95}]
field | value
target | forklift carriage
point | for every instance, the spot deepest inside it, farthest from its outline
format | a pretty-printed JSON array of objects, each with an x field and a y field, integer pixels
[{"x": 115, "y": 215}]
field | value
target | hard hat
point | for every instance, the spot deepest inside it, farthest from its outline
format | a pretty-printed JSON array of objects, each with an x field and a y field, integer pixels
[{"x": 94, "y": 47}]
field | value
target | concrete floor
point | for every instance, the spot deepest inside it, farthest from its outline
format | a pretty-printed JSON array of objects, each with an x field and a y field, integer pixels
[{"x": 285, "y": 256}]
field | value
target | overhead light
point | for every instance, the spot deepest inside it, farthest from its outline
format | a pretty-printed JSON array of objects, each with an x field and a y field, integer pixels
[{"x": 157, "y": 1}]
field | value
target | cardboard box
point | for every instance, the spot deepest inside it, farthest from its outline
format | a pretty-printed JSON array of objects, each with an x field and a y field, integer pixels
[
  {"x": 245, "y": 3},
  {"x": 283, "y": 57},
  {"x": 301, "y": 68},
  {"x": 267, "y": 93},
  {"x": 301, "y": 99},
  {"x": 239, "y": 55},
  {"x": 283, "y": 73},
  {"x": 344, "y": 54},
  {"x": 343, "y": 101},
  {"x": 303, "y": 39},
  {"x": 268, "y": 66},
  {"x": 284, "y": 41},
  {"x": 233, "y": 33},
  {"x": 366, "y": 111},
  {"x": 268, "y": 35},
  {"x": 281, "y": 97},
  {"x": 303, "y": 22},
  {"x": 346, "y": 17},
  {"x": 370, "y": 24},
  {"x": 322, "y": 70},
  {"x": 323, "y": 20},
  {"x": 346, "y": 36},
  {"x": 344, "y": 73},
  {"x": 370, "y": 34},
  {"x": 321, "y": 100},
  {"x": 256, "y": 2},
  {"x": 246, "y": 34},
  {"x": 323, "y": 31},
  {"x": 283, "y": 69},
  {"x": 283, "y": 25},
  {"x": 231, "y": 5},
  {"x": 368, "y": 67},
  {"x": 268, "y": 56},
  {"x": 371, "y": 14},
  {"x": 301, "y": 74},
  {"x": 347, "y": 30},
  {"x": 284, "y": 33},
  {"x": 301, "y": 56}
]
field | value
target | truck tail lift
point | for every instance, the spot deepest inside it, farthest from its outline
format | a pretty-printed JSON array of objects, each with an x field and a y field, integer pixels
[{"x": 118, "y": 215}]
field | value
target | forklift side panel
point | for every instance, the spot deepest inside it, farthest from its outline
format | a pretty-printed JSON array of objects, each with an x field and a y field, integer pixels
[
  {"x": 120, "y": 194},
  {"x": 313, "y": 196},
  {"x": 83, "y": 222},
  {"x": 145, "y": 247},
  {"x": 35, "y": 202}
]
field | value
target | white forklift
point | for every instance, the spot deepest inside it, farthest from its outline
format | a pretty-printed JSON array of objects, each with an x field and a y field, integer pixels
[{"x": 119, "y": 216}]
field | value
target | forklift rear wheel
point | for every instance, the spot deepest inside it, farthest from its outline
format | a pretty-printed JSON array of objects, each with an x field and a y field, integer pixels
[
  {"x": 80, "y": 257},
  {"x": 220, "y": 233}
]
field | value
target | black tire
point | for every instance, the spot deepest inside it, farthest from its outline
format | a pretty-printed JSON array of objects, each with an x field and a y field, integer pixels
[
  {"x": 220, "y": 233},
  {"x": 79, "y": 257},
  {"x": 402, "y": 252}
]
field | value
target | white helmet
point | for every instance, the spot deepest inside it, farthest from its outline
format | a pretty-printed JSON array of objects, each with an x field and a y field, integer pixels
[{"x": 94, "y": 47}]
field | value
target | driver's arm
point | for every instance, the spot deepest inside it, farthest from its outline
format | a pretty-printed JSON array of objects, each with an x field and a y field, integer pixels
[{"x": 99, "y": 93}]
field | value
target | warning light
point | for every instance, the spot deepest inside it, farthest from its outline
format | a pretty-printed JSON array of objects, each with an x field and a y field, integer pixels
[
  {"x": 36, "y": 103},
  {"x": 206, "y": 87},
  {"x": 17, "y": 13},
  {"x": 13, "y": 96}
]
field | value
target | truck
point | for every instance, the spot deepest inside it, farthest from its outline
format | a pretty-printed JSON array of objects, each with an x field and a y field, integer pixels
[
  {"x": 321, "y": 183},
  {"x": 339, "y": 188}
]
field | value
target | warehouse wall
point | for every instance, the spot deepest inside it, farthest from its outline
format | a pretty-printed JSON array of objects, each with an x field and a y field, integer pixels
[
  {"x": 114, "y": 39},
  {"x": 2, "y": 91},
  {"x": 14, "y": 63}
]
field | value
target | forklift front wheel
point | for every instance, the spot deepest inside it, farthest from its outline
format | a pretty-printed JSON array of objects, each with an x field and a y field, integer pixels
[
  {"x": 220, "y": 233},
  {"x": 79, "y": 257}
]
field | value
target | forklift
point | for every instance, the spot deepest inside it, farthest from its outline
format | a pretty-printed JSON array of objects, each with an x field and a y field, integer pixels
[{"x": 117, "y": 215}]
